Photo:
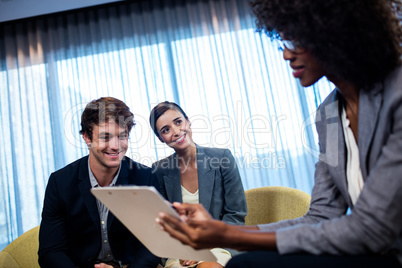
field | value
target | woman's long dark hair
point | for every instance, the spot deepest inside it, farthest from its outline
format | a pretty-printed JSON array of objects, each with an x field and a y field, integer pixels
[{"x": 159, "y": 110}]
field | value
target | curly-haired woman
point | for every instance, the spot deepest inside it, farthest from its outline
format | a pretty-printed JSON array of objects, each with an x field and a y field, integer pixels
[{"x": 356, "y": 44}]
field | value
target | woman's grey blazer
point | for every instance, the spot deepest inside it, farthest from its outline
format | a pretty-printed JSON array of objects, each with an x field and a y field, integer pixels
[
  {"x": 220, "y": 188},
  {"x": 375, "y": 222}
]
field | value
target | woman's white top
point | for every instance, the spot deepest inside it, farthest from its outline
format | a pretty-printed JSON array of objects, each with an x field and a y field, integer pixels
[
  {"x": 221, "y": 254},
  {"x": 188, "y": 197},
  {"x": 353, "y": 172}
]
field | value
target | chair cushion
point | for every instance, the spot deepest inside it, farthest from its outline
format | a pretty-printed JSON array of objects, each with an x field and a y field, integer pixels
[
  {"x": 274, "y": 203},
  {"x": 22, "y": 252},
  {"x": 6, "y": 260}
]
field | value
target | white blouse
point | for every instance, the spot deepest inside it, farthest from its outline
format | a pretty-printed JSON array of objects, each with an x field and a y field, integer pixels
[
  {"x": 353, "y": 171},
  {"x": 221, "y": 254}
]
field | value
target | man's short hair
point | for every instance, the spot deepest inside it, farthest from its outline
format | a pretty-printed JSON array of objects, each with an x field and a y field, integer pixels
[{"x": 103, "y": 110}]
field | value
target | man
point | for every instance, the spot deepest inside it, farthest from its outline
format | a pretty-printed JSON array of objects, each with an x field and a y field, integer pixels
[{"x": 76, "y": 229}]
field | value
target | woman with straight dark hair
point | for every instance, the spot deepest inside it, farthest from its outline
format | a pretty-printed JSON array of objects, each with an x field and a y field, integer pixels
[
  {"x": 356, "y": 44},
  {"x": 196, "y": 174}
]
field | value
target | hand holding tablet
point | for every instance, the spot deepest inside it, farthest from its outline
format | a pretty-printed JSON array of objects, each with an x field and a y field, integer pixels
[{"x": 137, "y": 207}]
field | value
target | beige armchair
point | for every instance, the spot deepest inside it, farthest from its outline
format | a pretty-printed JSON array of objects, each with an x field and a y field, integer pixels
[
  {"x": 22, "y": 252},
  {"x": 274, "y": 203}
]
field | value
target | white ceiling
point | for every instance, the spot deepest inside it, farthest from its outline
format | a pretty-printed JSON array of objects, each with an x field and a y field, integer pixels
[{"x": 19, "y": 9}]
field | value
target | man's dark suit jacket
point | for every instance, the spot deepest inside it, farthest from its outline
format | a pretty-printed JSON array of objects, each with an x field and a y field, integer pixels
[{"x": 70, "y": 234}]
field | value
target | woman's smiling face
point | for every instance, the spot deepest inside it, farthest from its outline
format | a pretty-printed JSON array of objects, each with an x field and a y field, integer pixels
[
  {"x": 305, "y": 66},
  {"x": 174, "y": 130}
]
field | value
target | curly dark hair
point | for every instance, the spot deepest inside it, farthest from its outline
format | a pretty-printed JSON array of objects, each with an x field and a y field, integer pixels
[
  {"x": 104, "y": 109},
  {"x": 356, "y": 40}
]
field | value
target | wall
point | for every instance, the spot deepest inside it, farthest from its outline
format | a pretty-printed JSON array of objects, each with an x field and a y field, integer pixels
[{"x": 19, "y": 9}]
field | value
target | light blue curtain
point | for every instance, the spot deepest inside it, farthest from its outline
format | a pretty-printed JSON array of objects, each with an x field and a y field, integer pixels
[{"x": 205, "y": 55}]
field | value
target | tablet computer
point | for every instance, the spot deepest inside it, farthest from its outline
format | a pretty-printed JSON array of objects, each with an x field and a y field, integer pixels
[{"x": 137, "y": 207}]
